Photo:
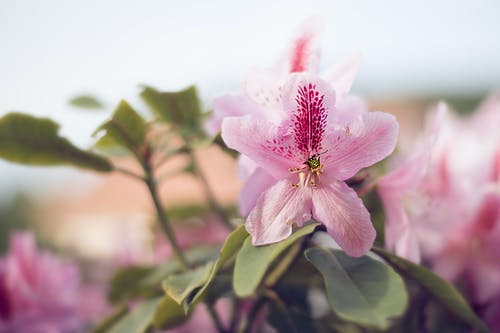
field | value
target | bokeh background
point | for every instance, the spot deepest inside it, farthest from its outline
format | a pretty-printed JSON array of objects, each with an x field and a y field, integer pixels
[{"x": 415, "y": 53}]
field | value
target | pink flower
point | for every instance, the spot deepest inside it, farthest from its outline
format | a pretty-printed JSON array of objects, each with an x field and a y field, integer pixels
[
  {"x": 304, "y": 160},
  {"x": 411, "y": 183},
  {"x": 443, "y": 203},
  {"x": 41, "y": 294}
]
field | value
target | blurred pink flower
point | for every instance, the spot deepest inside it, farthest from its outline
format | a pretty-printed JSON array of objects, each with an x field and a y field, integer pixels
[
  {"x": 42, "y": 294},
  {"x": 408, "y": 189},
  {"x": 443, "y": 203},
  {"x": 303, "y": 162}
]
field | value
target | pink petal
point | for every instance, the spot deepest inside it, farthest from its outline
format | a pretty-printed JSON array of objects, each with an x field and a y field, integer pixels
[
  {"x": 308, "y": 100},
  {"x": 304, "y": 52},
  {"x": 262, "y": 142},
  {"x": 264, "y": 87},
  {"x": 230, "y": 106},
  {"x": 365, "y": 141},
  {"x": 347, "y": 110},
  {"x": 342, "y": 76},
  {"x": 276, "y": 210},
  {"x": 346, "y": 219},
  {"x": 245, "y": 167},
  {"x": 487, "y": 280},
  {"x": 255, "y": 185},
  {"x": 451, "y": 263},
  {"x": 407, "y": 245}
]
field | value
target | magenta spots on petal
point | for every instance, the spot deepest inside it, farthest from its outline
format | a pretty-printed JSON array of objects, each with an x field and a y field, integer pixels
[
  {"x": 299, "y": 55},
  {"x": 309, "y": 120}
]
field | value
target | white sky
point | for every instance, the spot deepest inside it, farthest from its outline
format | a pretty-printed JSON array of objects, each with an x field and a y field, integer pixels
[{"x": 51, "y": 50}]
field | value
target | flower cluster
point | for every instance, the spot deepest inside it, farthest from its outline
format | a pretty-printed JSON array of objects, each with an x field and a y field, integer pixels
[{"x": 443, "y": 201}]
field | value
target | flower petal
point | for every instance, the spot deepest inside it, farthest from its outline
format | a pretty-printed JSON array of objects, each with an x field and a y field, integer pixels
[
  {"x": 261, "y": 141},
  {"x": 276, "y": 210},
  {"x": 246, "y": 166},
  {"x": 347, "y": 110},
  {"x": 308, "y": 100},
  {"x": 341, "y": 76},
  {"x": 230, "y": 106},
  {"x": 264, "y": 87},
  {"x": 365, "y": 141},
  {"x": 256, "y": 184},
  {"x": 304, "y": 52},
  {"x": 346, "y": 219}
]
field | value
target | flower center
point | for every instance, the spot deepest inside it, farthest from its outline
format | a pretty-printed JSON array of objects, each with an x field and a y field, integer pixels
[{"x": 309, "y": 173}]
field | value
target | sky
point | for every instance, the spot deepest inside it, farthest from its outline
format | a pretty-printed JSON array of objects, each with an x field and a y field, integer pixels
[{"x": 52, "y": 50}]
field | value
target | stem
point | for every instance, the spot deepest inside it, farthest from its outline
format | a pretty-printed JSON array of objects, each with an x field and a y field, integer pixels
[
  {"x": 274, "y": 276},
  {"x": 162, "y": 216},
  {"x": 209, "y": 194},
  {"x": 216, "y": 319},
  {"x": 247, "y": 324},
  {"x": 128, "y": 173},
  {"x": 235, "y": 314}
]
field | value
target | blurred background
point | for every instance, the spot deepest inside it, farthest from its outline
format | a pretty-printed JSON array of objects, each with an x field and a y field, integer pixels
[{"x": 50, "y": 51}]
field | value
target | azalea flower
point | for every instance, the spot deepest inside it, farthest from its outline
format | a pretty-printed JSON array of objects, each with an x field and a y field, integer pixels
[
  {"x": 262, "y": 98},
  {"x": 443, "y": 203},
  {"x": 40, "y": 293},
  {"x": 304, "y": 160}
]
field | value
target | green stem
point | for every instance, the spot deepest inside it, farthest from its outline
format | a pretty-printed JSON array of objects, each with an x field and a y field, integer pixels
[
  {"x": 209, "y": 194},
  {"x": 162, "y": 216},
  {"x": 128, "y": 173},
  {"x": 216, "y": 319}
]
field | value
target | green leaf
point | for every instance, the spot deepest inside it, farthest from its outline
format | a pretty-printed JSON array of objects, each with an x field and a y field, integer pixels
[
  {"x": 126, "y": 129},
  {"x": 125, "y": 282},
  {"x": 252, "y": 262},
  {"x": 138, "y": 320},
  {"x": 108, "y": 146},
  {"x": 181, "y": 108},
  {"x": 442, "y": 291},
  {"x": 231, "y": 245},
  {"x": 180, "y": 286},
  {"x": 145, "y": 281},
  {"x": 35, "y": 141},
  {"x": 362, "y": 290},
  {"x": 86, "y": 102},
  {"x": 169, "y": 314},
  {"x": 111, "y": 320}
]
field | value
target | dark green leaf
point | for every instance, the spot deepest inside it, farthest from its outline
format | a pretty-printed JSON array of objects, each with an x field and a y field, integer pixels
[
  {"x": 124, "y": 284},
  {"x": 252, "y": 262},
  {"x": 126, "y": 129},
  {"x": 86, "y": 102},
  {"x": 362, "y": 290},
  {"x": 138, "y": 320},
  {"x": 442, "y": 291},
  {"x": 169, "y": 314},
  {"x": 181, "y": 108},
  {"x": 35, "y": 141},
  {"x": 287, "y": 319}
]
